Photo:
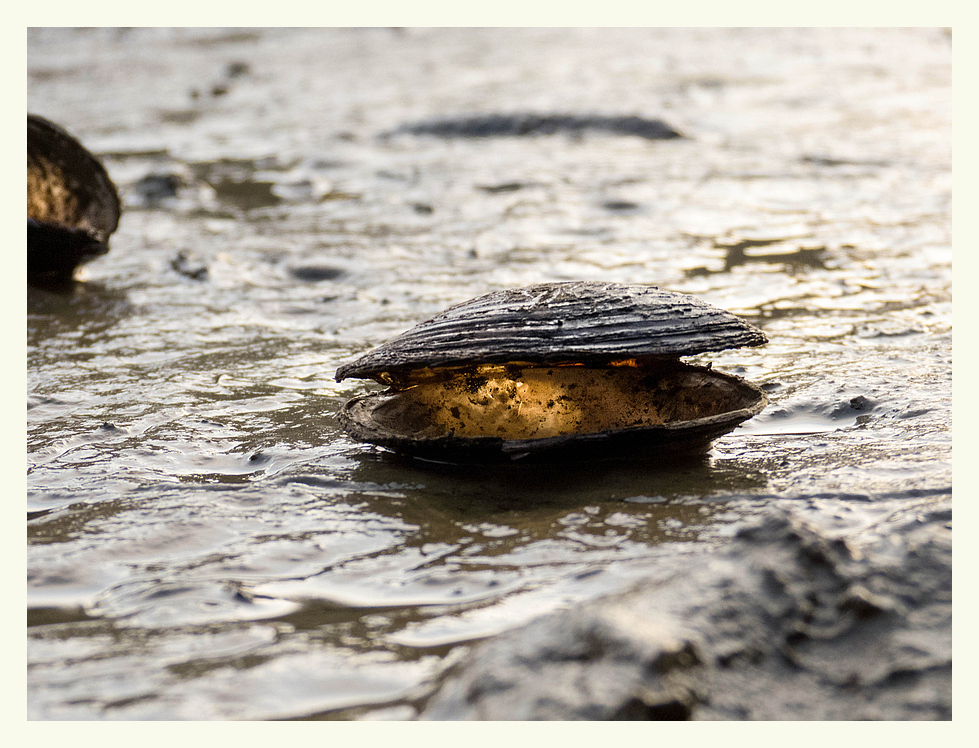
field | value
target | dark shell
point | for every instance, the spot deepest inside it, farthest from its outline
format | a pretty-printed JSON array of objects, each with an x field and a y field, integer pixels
[
  {"x": 552, "y": 370},
  {"x": 72, "y": 204},
  {"x": 584, "y": 322}
]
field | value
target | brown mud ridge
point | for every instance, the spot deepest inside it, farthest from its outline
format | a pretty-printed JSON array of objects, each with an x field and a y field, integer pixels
[
  {"x": 785, "y": 623},
  {"x": 527, "y": 123}
]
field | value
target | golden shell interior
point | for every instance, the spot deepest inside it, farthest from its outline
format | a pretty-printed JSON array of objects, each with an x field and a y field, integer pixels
[{"x": 536, "y": 401}]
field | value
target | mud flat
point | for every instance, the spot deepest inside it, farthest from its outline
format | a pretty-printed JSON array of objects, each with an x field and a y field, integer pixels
[
  {"x": 204, "y": 540},
  {"x": 788, "y": 622}
]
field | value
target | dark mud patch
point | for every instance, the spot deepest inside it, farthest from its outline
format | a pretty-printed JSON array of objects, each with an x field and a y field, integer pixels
[
  {"x": 525, "y": 124},
  {"x": 315, "y": 273},
  {"x": 621, "y": 206},
  {"x": 766, "y": 252},
  {"x": 247, "y": 194},
  {"x": 502, "y": 188},
  {"x": 829, "y": 161}
]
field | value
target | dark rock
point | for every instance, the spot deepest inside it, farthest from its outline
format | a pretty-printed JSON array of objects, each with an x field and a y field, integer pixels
[
  {"x": 189, "y": 266},
  {"x": 862, "y": 403},
  {"x": 785, "y": 623},
  {"x": 154, "y": 188}
]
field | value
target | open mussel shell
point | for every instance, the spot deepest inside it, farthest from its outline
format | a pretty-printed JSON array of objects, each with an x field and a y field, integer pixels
[
  {"x": 583, "y": 368},
  {"x": 72, "y": 204}
]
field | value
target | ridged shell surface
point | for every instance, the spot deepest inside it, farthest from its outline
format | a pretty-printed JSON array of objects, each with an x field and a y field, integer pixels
[{"x": 582, "y": 321}]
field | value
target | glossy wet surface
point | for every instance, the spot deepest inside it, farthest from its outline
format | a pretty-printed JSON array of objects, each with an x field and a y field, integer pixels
[{"x": 205, "y": 542}]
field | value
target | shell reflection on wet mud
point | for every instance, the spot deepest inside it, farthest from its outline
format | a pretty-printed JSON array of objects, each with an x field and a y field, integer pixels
[
  {"x": 581, "y": 367},
  {"x": 72, "y": 204}
]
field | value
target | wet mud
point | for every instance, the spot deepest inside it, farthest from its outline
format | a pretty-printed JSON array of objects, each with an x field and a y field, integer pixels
[
  {"x": 790, "y": 621},
  {"x": 205, "y": 542}
]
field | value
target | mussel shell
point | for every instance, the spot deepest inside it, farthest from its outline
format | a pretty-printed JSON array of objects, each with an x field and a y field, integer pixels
[
  {"x": 72, "y": 204},
  {"x": 359, "y": 418},
  {"x": 53, "y": 252},
  {"x": 583, "y": 321}
]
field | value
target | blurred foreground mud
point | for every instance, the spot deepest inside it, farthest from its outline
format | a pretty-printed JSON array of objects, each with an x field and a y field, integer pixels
[{"x": 787, "y": 622}]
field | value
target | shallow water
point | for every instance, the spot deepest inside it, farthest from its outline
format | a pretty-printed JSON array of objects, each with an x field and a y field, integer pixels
[{"x": 203, "y": 540}]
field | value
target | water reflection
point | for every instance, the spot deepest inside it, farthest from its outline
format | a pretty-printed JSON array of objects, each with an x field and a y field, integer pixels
[
  {"x": 487, "y": 547},
  {"x": 90, "y": 307},
  {"x": 483, "y": 490}
]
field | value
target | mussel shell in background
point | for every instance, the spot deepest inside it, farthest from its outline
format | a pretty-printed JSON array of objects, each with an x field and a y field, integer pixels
[{"x": 72, "y": 204}]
